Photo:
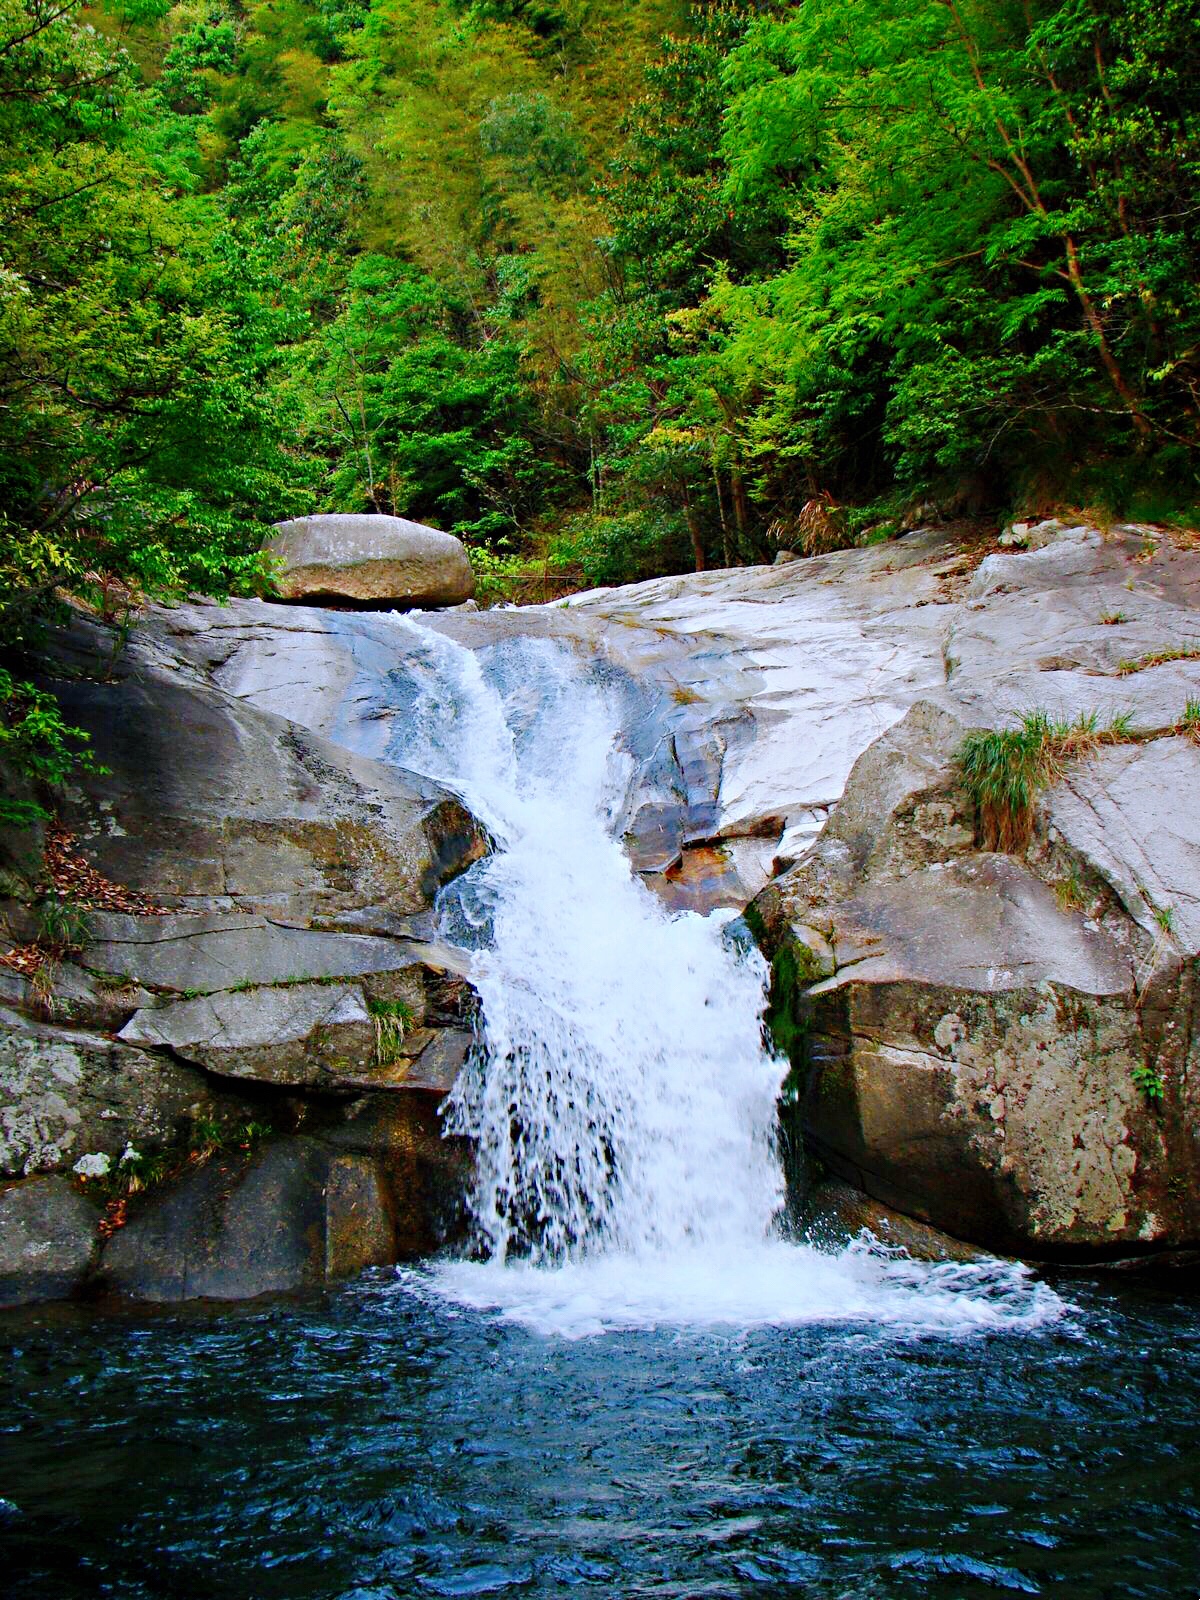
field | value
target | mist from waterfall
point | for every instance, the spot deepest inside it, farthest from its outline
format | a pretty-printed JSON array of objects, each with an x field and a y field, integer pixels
[{"x": 621, "y": 1099}]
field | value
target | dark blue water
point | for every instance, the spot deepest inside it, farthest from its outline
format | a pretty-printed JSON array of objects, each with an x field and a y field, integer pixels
[{"x": 370, "y": 1445}]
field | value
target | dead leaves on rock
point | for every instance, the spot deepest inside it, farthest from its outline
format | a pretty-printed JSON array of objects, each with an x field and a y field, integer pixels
[
  {"x": 69, "y": 888},
  {"x": 71, "y": 878}
]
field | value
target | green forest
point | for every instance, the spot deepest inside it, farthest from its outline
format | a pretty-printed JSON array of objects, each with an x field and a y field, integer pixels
[{"x": 608, "y": 288}]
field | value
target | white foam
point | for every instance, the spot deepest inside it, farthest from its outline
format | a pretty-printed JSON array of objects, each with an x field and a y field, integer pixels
[{"x": 772, "y": 1283}]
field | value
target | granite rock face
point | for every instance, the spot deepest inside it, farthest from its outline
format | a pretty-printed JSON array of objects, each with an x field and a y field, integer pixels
[
  {"x": 794, "y": 731},
  {"x": 66, "y": 1095},
  {"x": 370, "y": 561},
  {"x": 257, "y": 1052},
  {"x": 1007, "y": 1048},
  {"x": 210, "y": 804},
  {"x": 835, "y": 1214},
  {"x": 377, "y": 1185},
  {"x": 289, "y": 1217}
]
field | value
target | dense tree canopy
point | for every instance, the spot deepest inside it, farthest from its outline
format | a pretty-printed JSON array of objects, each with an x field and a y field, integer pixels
[
  {"x": 630, "y": 287},
  {"x": 139, "y": 437}
]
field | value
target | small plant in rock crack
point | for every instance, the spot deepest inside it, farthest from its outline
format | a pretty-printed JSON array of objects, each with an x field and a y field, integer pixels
[
  {"x": 1148, "y": 1080},
  {"x": 1113, "y": 619},
  {"x": 1189, "y": 651},
  {"x": 209, "y": 1137},
  {"x": 1070, "y": 891},
  {"x": 62, "y": 930},
  {"x": 206, "y": 1138},
  {"x": 392, "y": 1019},
  {"x": 119, "y": 1178},
  {"x": 1189, "y": 722},
  {"x": 135, "y": 1171}
]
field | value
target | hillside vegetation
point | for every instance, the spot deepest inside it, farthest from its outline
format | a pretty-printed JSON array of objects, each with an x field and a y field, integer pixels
[{"x": 620, "y": 284}]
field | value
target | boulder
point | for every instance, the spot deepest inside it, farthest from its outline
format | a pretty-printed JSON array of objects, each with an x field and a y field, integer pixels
[
  {"x": 1012, "y": 1119},
  {"x": 367, "y": 561},
  {"x": 48, "y": 1240},
  {"x": 1000, "y": 1047},
  {"x": 286, "y": 889},
  {"x": 303, "y": 1034},
  {"x": 227, "y": 950},
  {"x": 299, "y": 1036},
  {"x": 205, "y": 803},
  {"x": 375, "y": 1186}
]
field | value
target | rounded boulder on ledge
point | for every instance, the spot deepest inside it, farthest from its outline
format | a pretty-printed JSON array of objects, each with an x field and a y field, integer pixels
[{"x": 363, "y": 561}]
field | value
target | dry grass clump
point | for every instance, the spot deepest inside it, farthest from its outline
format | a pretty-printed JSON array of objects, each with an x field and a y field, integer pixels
[
  {"x": 817, "y": 529},
  {"x": 1005, "y": 769},
  {"x": 392, "y": 1019},
  {"x": 1159, "y": 658}
]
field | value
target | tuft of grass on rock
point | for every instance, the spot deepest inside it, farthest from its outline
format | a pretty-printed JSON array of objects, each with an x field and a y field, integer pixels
[
  {"x": 1005, "y": 770},
  {"x": 392, "y": 1019},
  {"x": 1070, "y": 892},
  {"x": 1159, "y": 658}
]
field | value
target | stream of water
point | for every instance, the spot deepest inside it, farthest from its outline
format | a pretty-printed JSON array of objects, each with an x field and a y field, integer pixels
[{"x": 634, "y": 1384}]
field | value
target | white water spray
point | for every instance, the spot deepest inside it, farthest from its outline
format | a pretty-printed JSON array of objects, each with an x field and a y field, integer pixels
[{"x": 621, "y": 1102}]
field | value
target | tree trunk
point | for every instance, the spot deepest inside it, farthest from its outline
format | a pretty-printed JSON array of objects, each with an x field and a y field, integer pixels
[
  {"x": 1092, "y": 317},
  {"x": 693, "y": 523},
  {"x": 741, "y": 506}
]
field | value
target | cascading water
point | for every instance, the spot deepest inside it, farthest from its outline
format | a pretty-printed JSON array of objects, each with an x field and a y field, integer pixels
[{"x": 621, "y": 1101}]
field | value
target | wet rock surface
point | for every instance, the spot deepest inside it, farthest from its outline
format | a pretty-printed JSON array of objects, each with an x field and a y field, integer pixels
[
  {"x": 48, "y": 1240},
  {"x": 834, "y": 1214},
  {"x": 284, "y": 1219}
]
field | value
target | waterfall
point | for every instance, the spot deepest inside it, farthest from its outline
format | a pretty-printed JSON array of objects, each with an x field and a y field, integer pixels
[{"x": 621, "y": 1099}]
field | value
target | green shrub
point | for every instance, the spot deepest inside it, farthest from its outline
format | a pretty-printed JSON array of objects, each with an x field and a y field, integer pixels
[
  {"x": 36, "y": 746},
  {"x": 623, "y": 548}
]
